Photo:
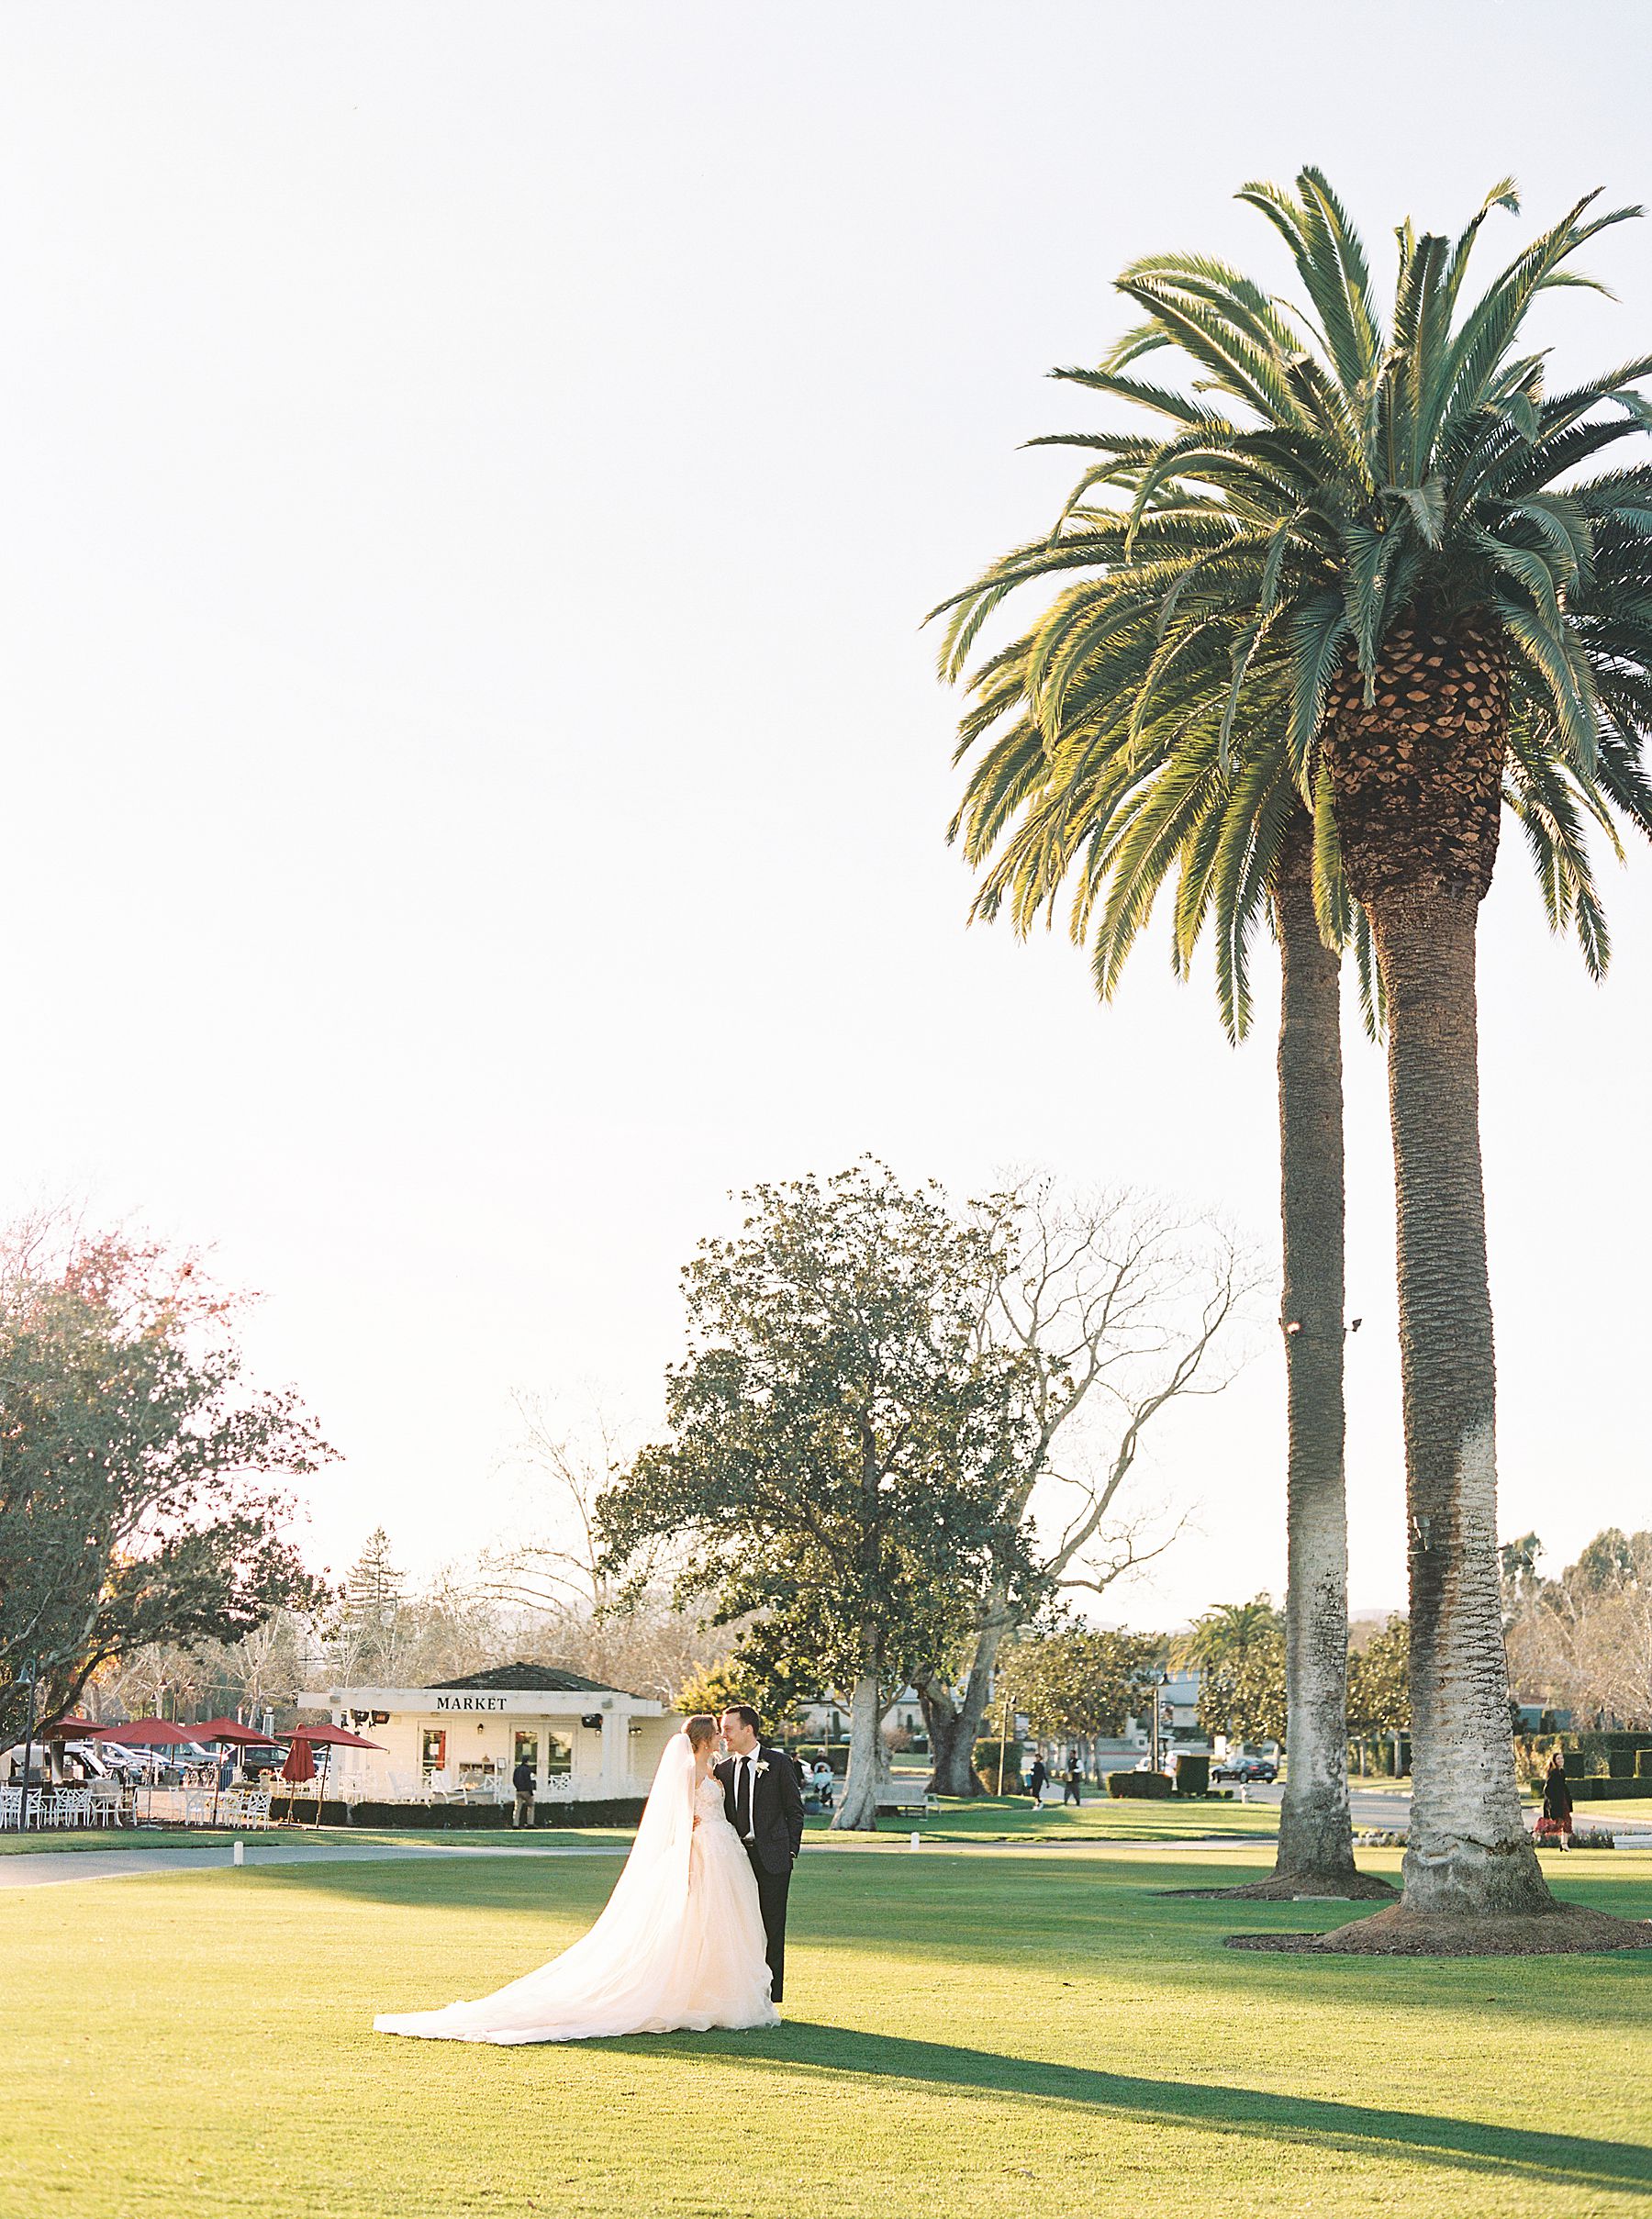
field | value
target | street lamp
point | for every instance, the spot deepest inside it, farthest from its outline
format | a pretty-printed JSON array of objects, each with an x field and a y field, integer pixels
[
  {"x": 28, "y": 1677},
  {"x": 1159, "y": 1685}
]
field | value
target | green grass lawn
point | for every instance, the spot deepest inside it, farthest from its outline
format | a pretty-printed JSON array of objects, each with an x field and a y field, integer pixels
[
  {"x": 195, "y": 1838},
  {"x": 1013, "y": 1819},
  {"x": 968, "y": 2034}
]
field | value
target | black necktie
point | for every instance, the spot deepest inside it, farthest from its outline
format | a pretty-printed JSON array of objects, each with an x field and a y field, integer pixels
[{"x": 742, "y": 1799}]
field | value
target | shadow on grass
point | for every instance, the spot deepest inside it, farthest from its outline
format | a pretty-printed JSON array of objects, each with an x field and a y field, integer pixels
[
  {"x": 808, "y": 2051},
  {"x": 1049, "y": 1917}
]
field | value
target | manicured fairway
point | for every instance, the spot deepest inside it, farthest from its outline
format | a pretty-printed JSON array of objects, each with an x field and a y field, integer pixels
[
  {"x": 971, "y": 2031},
  {"x": 1010, "y": 1820}
]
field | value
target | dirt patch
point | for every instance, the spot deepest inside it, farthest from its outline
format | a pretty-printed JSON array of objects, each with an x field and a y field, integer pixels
[
  {"x": 1295, "y": 1888},
  {"x": 1568, "y": 1930}
]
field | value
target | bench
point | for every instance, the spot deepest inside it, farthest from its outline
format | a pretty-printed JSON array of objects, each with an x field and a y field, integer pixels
[{"x": 906, "y": 1795}]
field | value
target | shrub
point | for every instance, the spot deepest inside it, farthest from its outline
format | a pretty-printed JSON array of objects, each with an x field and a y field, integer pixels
[
  {"x": 1146, "y": 1786},
  {"x": 986, "y": 1761},
  {"x": 1192, "y": 1774}
]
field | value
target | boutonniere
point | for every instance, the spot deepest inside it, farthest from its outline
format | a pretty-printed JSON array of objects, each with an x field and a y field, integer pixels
[{"x": 761, "y": 1767}]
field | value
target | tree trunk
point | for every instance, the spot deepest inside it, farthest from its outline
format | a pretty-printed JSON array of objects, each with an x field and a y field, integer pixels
[
  {"x": 954, "y": 1720},
  {"x": 857, "y": 1807},
  {"x": 950, "y": 1746},
  {"x": 1316, "y": 1837},
  {"x": 1468, "y": 1854}
]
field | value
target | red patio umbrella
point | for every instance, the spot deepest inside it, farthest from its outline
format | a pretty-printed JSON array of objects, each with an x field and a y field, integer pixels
[
  {"x": 327, "y": 1739},
  {"x": 231, "y": 1730},
  {"x": 300, "y": 1766},
  {"x": 147, "y": 1734},
  {"x": 65, "y": 1729},
  {"x": 238, "y": 1736}
]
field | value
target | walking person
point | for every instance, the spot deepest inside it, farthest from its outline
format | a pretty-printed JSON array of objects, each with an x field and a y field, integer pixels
[
  {"x": 1556, "y": 1821},
  {"x": 521, "y": 1779},
  {"x": 1071, "y": 1792},
  {"x": 1035, "y": 1781}
]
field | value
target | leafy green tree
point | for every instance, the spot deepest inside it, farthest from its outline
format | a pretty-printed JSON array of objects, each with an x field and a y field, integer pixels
[
  {"x": 712, "y": 1688},
  {"x": 1078, "y": 1682},
  {"x": 1380, "y": 1682},
  {"x": 135, "y": 1503},
  {"x": 1242, "y": 1694},
  {"x": 1239, "y": 1650},
  {"x": 1386, "y": 522},
  {"x": 841, "y": 1445}
]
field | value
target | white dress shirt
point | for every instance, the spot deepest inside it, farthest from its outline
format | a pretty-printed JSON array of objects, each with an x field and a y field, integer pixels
[{"x": 750, "y": 1792}]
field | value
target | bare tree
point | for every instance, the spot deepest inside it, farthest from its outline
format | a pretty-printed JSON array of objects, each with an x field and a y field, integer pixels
[
  {"x": 561, "y": 1607},
  {"x": 1119, "y": 1304},
  {"x": 1582, "y": 1641},
  {"x": 555, "y": 1574}
]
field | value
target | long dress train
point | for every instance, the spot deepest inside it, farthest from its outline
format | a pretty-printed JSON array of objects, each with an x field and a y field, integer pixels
[{"x": 679, "y": 1944}]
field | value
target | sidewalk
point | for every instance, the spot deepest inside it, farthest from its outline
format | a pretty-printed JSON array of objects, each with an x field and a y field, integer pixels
[{"x": 52, "y": 1869}]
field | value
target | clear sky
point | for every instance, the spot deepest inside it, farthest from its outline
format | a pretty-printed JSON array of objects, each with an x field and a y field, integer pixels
[{"x": 475, "y": 783}]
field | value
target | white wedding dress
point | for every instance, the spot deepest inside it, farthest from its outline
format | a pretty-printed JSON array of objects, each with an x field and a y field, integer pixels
[{"x": 679, "y": 1943}]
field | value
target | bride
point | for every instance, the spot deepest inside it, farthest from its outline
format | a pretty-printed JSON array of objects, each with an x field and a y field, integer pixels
[{"x": 679, "y": 1945}]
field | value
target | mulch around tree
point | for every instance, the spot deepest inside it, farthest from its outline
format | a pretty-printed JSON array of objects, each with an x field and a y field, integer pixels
[
  {"x": 1294, "y": 1887},
  {"x": 1566, "y": 1931}
]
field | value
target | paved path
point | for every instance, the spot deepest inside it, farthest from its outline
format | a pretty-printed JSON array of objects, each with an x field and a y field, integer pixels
[
  {"x": 52, "y": 1868},
  {"x": 1378, "y": 1807}
]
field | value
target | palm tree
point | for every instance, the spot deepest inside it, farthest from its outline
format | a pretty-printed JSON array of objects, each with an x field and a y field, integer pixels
[
  {"x": 1123, "y": 818},
  {"x": 1375, "y": 545},
  {"x": 1228, "y": 1631},
  {"x": 1120, "y": 816}
]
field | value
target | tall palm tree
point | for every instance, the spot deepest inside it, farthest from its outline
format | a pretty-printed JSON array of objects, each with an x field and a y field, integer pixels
[
  {"x": 1376, "y": 535},
  {"x": 1121, "y": 817}
]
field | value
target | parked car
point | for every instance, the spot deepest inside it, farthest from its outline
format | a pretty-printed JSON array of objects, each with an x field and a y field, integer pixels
[
  {"x": 1249, "y": 1769},
  {"x": 250, "y": 1762}
]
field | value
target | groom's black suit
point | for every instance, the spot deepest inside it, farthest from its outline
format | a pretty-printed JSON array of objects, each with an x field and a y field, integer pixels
[{"x": 774, "y": 1838}]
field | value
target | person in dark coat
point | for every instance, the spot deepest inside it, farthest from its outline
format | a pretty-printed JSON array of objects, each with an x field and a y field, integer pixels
[
  {"x": 1073, "y": 1793},
  {"x": 521, "y": 1781},
  {"x": 1035, "y": 1781},
  {"x": 761, "y": 1796},
  {"x": 1557, "y": 1798}
]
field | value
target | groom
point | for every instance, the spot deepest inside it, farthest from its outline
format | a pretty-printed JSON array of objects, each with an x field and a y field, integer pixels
[{"x": 765, "y": 1809}]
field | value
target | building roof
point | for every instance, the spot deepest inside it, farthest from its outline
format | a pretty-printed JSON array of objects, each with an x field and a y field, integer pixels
[{"x": 529, "y": 1679}]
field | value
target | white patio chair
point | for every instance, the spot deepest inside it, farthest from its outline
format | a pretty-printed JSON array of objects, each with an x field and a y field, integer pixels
[
  {"x": 11, "y": 1808},
  {"x": 75, "y": 1806},
  {"x": 103, "y": 1803}
]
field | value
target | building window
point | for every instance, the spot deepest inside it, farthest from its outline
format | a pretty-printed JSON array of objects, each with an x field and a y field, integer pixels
[
  {"x": 559, "y": 1755},
  {"x": 433, "y": 1750},
  {"x": 525, "y": 1750}
]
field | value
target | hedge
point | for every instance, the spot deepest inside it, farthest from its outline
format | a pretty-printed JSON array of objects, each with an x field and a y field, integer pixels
[
  {"x": 618, "y": 1811},
  {"x": 1596, "y": 1787},
  {"x": 986, "y": 1761},
  {"x": 1152, "y": 1786}
]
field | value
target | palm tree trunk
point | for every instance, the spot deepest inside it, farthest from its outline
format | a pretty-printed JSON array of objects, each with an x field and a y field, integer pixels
[
  {"x": 1316, "y": 1839},
  {"x": 1468, "y": 1853}
]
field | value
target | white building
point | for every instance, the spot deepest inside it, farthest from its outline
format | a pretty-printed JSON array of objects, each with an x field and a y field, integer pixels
[
  {"x": 587, "y": 1743},
  {"x": 826, "y": 1717}
]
